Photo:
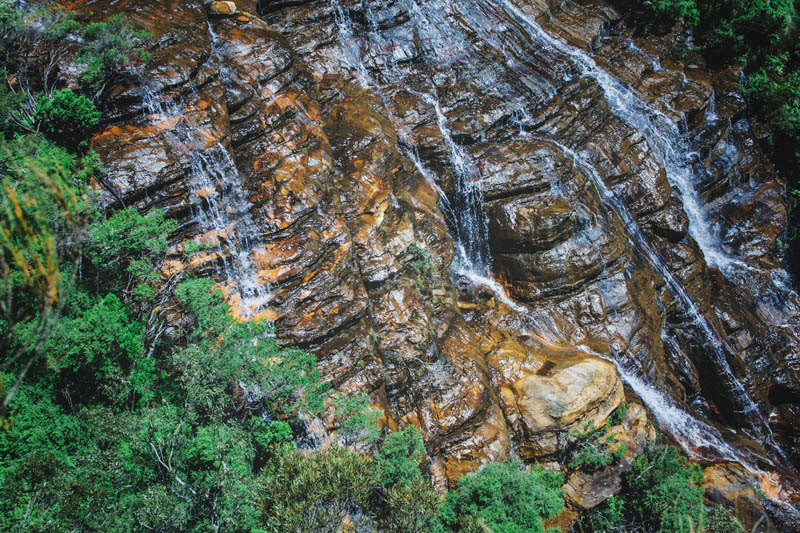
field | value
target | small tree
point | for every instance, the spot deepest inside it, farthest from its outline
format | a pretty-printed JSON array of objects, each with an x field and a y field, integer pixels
[
  {"x": 504, "y": 498},
  {"x": 108, "y": 49}
]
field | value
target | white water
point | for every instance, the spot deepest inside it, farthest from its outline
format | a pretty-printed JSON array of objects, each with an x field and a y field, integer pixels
[
  {"x": 350, "y": 46},
  {"x": 469, "y": 231},
  {"x": 472, "y": 232},
  {"x": 746, "y": 404},
  {"x": 693, "y": 435},
  {"x": 674, "y": 155},
  {"x": 217, "y": 203},
  {"x": 662, "y": 135}
]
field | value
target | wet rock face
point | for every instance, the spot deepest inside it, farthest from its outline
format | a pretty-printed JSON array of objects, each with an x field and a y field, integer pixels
[
  {"x": 323, "y": 149},
  {"x": 730, "y": 485}
]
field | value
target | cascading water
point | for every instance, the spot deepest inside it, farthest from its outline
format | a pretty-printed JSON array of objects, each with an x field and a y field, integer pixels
[
  {"x": 673, "y": 153},
  {"x": 218, "y": 206},
  {"x": 470, "y": 230},
  {"x": 662, "y": 134},
  {"x": 744, "y": 403},
  {"x": 444, "y": 47},
  {"x": 464, "y": 211},
  {"x": 774, "y": 297}
]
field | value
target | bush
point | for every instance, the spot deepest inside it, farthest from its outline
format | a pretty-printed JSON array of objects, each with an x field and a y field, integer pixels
[
  {"x": 400, "y": 456},
  {"x": 594, "y": 449},
  {"x": 605, "y": 518},
  {"x": 410, "y": 508},
  {"x": 744, "y": 30},
  {"x": 225, "y": 354},
  {"x": 618, "y": 416},
  {"x": 358, "y": 421},
  {"x": 43, "y": 209},
  {"x": 664, "y": 491},
  {"x": 101, "y": 351},
  {"x": 504, "y": 498},
  {"x": 315, "y": 492},
  {"x": 66, "y": 116},
  {"x": 661, "y": 493},
  {"x": 109, "y": 47}
]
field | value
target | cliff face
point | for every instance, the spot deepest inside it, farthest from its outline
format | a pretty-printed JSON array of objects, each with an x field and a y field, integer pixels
[{"x": 482, "y": 213}]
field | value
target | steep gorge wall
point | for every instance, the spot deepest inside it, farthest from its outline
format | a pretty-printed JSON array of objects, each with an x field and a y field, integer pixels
[{"x": 306, "y": 148}]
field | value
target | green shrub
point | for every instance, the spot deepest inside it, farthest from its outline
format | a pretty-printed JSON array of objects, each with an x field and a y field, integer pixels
[
  {"x": 43, "y": 207},
  {"x": 410, "y": 508},
  {"x": 604, "y": 518},
  {"x": 223, "y": 352},
  {"x": 618, "y": 416},
  {"x": 400, "y": 456},
  {"x": 109, "y": 48},
  {"x": 192, "y": 247},
  {"x": 129, "y": 243},
  {"x": 66, "y": 115},
  {"x": 594, "y": 448},
  {"x": 421, "y": 264},
  {"x": 672, "y": 10},
  {"x": 357, "y": 419},
  {"x": 743, "y": 29},
  {"x": 663, "y": 490},
  {"x": 102, "y": 350},
  {"x": 661, "y": 493},
  {"x": 315, "y": 492},
  {"x": 504, "y": 498}
]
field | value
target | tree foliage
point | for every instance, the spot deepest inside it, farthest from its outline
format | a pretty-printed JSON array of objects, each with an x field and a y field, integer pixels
[
  {"x": 109, "y": 47},
  {"x": 503, "y": 497},
  {"x": 43, "y": 214}
]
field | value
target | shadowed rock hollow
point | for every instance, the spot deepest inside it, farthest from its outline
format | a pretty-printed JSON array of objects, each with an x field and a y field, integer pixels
[{"x": 334, "y": 156}]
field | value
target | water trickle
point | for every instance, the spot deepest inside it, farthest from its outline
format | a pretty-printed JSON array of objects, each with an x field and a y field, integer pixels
[
  {"x": 743, "y": 402},
  {"x": 663, "y": 136},
  {"x": 350, "y": 46},
  {"x": 471, "y": 230},
  {"x": 711, "y": 109},
  {"x": 218, "y": 206}
]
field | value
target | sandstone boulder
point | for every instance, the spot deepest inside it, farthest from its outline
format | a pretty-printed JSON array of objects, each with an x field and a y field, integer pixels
[
  {"x": 564, "y": 396},
  {"x": 587, "y": 490},
  {"x": 223, "y": 8},
  {"x": 729, "y": 484}
]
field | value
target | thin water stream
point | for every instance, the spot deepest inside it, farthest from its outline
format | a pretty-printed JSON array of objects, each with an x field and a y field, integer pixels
[
  {"x": 218, "y": 206},
  {"x": 445, "y": 45}
]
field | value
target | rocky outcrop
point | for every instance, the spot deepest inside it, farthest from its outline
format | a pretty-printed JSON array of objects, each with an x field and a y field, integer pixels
[
  {"x": 731, "y": 485},
  {"x": 323, "y": 150}
]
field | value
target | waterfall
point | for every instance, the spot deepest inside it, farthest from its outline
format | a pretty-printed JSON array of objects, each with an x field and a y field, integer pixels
[
  {"x": 218, "y": 205},
  {"x": 350, "y": 46},
  {"x": 662, "y": 135},
  {"x": 745, "y": 404},
  {"x": 464, "y": 211},
  {"x": 445, "y": 49},
  {"x": 471, "y": 230},
  {"x": 672, "y": 152}
]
